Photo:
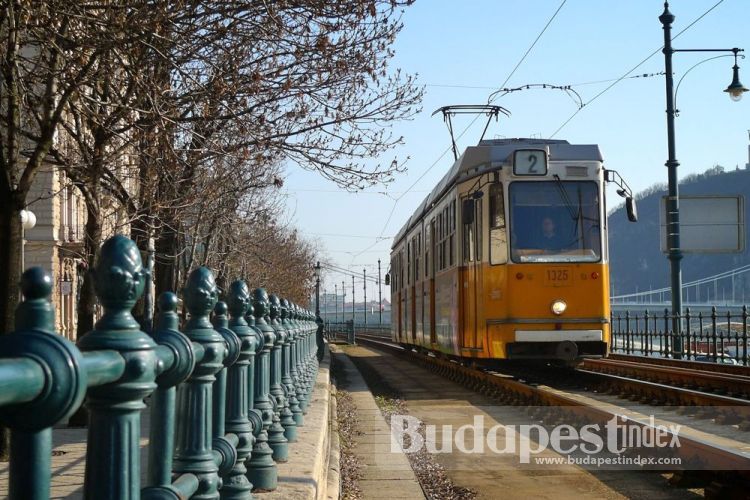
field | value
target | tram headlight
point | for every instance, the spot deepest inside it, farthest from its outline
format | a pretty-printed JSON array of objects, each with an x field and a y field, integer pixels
[{"x": 558, "y": 307}]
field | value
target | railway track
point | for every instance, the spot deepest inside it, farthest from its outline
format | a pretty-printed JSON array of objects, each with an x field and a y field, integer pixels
[
  {"x": 663, "y": 382},
  {"x": 684, "y": 376},
  {"x": 696, "y": 449},
  {"x": 681, "y": 363}
]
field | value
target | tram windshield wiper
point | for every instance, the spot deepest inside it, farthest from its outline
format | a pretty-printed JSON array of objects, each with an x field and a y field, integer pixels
[{"x": 573, "y": 211}]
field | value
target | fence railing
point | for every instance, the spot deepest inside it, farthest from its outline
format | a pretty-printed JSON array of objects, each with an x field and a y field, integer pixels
[
  {"x": 716, "y": 337},
  {"x": 227, "y": 393}
]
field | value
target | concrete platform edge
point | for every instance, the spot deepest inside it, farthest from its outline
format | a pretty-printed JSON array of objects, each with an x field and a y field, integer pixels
[{"x": 306, "y": 474}]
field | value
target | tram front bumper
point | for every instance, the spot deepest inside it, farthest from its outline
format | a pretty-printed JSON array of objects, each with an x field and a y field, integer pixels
[{"x": 564, "y": 345}]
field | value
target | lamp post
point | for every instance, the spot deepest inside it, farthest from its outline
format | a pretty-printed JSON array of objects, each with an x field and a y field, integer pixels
[
  {"x": 364, "y": 287},
  {"x": 380, "y": 297},
  {"x": 336, "y": 302},
  {"x": 353, "y": 303},
  {"x": 317, "y": 290},
  {"x": 735, "y": 91},
  {"x": 28, "y": 221}
]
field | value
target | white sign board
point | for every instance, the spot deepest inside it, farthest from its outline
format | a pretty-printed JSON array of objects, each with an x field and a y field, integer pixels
[{"x": 708, "y": 224}]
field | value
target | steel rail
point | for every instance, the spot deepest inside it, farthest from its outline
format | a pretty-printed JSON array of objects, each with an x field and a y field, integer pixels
[
  {"x": 722, "y": 383},
  {"x": 681, "y": 363}
]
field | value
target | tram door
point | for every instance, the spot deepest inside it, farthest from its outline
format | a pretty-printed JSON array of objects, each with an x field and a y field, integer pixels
[{"x": 471, "y": 223}]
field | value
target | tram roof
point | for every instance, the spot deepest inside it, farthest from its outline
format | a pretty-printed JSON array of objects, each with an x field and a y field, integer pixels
[{"x": 493, "y": 154}]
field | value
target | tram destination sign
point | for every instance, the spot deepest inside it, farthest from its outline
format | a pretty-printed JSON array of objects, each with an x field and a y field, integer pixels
[
  {"x": 530, "y": 162},
  {"x": 708, "y": 224}
]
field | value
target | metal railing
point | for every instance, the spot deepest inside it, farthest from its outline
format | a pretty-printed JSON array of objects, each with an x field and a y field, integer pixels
[
  {"x": 716, "y": 336},
  {"x": 227, "y": 393}
]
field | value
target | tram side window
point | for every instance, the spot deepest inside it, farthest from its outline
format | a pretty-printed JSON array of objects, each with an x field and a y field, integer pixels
[
  {"x": 408, "y": 263},
  {"x": 401, "y": 269},
  {"x": 468, "y": 235},
  {"x": 428, "y": 236},
  {"x": 498, "y": 233},
  {"x": 438, "y": 249},
  {"x": 417, "y": 253},
  {"x": 394, "y": 264},
  {"x": 451, "y": 242},
  {"x": 445, "y": 240}
]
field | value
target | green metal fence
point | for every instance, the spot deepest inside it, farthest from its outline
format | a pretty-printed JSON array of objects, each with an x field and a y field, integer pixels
[
  {"x": 719, "y": 337},
  {"x": 228, "y": 391}
]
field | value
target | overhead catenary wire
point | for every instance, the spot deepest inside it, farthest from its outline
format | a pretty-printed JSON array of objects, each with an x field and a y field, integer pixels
[
  {"x": 358, "y": 276},
  {"x": 578, "y": 84},
  {"x": 652, "y": 54},
  {"x": 448, "y": 149}
]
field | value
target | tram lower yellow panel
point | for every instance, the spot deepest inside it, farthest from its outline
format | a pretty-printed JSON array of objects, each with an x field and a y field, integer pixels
[
  {"x": 476, "y": 313},
  {"x": 520, "y": 297}
]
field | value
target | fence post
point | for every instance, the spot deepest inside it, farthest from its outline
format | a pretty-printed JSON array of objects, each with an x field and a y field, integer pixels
[
  {"x": 299, "y": 381},
  {"x": 237, "y": 486},
  {"x": 253, "y": 414},
  {"x": 628, "y": 334},
  {"x": 223, "y": 443},
  {"x": 311, "y": 347},
  {"x": 744, "y": 335},
  {"x": 299, "y": 418},
  {"x": 162, "y": 425},
  {"x": 619, "y": 332},
  {"x": 713, "y": 333},
  {"x": 687, "y": 333},
  {"x": 665, "y": 342},
  {"x": 113, "y": 451},
  {"x": 55, "y": 383},
  {"x": 286, "y": 371},
  {"x": 646, "y": 331},
  {"x": 276, "y": 433},
  {"x": 262, "y": 471},
  {"x": 194, "y": 444}
]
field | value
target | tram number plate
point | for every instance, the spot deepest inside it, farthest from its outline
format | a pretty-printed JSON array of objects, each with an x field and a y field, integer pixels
[{"x": 558, "y": 277}]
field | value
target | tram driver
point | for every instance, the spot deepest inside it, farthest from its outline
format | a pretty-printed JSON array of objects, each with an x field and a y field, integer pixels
[{"x": 549, "y": 239}]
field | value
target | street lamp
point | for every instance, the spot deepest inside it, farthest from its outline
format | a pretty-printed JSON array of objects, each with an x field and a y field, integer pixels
[
  {"x": 735, "y": 91},
  {"x": 28, "y": 221},
  {"x": 317, "y": 290}
]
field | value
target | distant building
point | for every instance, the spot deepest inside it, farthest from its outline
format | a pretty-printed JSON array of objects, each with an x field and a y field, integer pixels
[{"x": 56, "y": 242}]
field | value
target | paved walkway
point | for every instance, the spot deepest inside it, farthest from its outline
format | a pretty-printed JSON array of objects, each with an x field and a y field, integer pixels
[
  {"x": 302, "y": 477},
  {"x": 386, "y": 474}
]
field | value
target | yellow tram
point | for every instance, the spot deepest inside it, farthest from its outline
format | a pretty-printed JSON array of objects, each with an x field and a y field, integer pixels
[{"x": 507, "y": 257}]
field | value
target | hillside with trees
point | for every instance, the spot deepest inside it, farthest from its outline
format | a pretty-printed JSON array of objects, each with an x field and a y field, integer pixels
[{"x": 637, "y": 263}]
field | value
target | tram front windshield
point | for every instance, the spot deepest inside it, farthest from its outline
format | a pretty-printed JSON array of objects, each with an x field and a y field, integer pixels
[{"x": 555, "y": 221}]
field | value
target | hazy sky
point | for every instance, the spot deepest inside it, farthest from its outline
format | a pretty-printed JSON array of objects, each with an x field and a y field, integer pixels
[{"x": 462, "y": 51}]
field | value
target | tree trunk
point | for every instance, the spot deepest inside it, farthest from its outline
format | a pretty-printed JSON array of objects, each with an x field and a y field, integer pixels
[
  {"x": 140, "y": 233},
  {"x": 10, "y": 264},
  {"x": 10, "y": 260},
  {"x": 165, "y": 265},
  {"x": 92, "y": 241}
]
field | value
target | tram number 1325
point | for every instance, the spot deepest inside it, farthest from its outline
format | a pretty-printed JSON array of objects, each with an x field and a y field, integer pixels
[{"x": 557, "y": 277}]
